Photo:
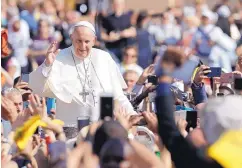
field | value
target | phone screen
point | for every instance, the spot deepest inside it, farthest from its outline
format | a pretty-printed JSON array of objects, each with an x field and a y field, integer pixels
[
  {"x": 25, "y": 78},
  {"x": 215, "y": 72},
  {"x": 191, "y": 118},
  {"x": 227, "y": 78},
  {"x": 238, "y": 84},
  {"x": 142, "y": 122},
  {"x": 153, "y": 79},
  {"x": 106, "y": 106},
  {"x": 51, "y": 104},
  {"x": 82, "y": 122}
]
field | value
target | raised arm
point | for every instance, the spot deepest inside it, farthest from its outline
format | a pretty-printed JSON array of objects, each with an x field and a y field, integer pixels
[
  {"x": 198, "y": 88},
  {"x": 183, "y": 152},
  {"x": 38, "y": 79}
]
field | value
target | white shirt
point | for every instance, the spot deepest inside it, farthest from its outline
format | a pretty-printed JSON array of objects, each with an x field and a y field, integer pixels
[
  {"x": 14, "y": 62},
  {"x": 216, "y": 34},
  {"x": 61, "y": 81},
  {"x": 20, "y": 41},
  {"x": 138, "y": 69}
]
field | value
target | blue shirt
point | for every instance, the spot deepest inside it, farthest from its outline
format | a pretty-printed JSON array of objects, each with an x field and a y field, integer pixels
[
  {"x": 199, "y": 93},
  {"x": 7, "y": 127},
  {"x": 29, "y": 18}
]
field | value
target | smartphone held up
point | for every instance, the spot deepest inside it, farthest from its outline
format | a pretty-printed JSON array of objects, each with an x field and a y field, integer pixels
[
  {"x": 213, "y": 72},
  {"x": 106, "y": 105}
]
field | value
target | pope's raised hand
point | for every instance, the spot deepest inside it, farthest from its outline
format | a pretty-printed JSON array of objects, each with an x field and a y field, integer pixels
[{"x": 51, "y": 54}]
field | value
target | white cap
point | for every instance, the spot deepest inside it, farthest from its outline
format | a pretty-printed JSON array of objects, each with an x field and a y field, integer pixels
[
  {"x": 221, "y": 115},
  {"x": 224, "y": 11},
  {"x": 209, "y": 14},
  {"x": 82, "y": 23}
]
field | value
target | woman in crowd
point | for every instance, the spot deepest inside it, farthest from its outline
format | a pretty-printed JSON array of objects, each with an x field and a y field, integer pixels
[
  {"x": 130, "y": 57},
  {"x": 41, "y": 42}
]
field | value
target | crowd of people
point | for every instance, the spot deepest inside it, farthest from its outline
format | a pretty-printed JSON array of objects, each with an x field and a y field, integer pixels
[{"x": 176, "y": 78}]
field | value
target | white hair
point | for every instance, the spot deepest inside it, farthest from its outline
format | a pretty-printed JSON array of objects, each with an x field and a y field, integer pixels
[{"x": 11, "y": 91}]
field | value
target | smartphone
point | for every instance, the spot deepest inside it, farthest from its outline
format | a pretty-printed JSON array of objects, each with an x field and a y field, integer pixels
[
  {"x": 51, "y": 104},
  {"x": 191, "y": 118},
  {"x": 26, "y": 104},
  {"x": 106, "y": 105},
  {"x": 25, "y": 78},
  {"x": 238, "y": 83},
  {"x": 227, "y": 78},
  {"x": 82, "y": 122},
  {"x": 215, "y": 72},
  {"x": 220, "y": 94},
  {"x": 153, "y": 79}
]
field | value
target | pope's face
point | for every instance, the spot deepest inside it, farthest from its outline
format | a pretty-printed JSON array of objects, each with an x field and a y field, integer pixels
[{"x": 83, "y": 39}]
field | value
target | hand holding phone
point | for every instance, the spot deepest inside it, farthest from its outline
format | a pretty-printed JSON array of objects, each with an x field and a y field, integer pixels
[
  {"x": 215, "y": 72},
  {"x": 191, "y": 119},
  {"x": 82, "y": 122},
  {"x": 153, "y": 79},
  {"x": 189, "y": 116},
  {"x": 51, "y": 104}
]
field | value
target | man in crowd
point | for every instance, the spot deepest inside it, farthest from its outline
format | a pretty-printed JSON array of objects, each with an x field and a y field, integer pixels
[
  {"x": 77, "y": 75},
  {"x": 117, "y": 29},
  {"x": 130, "y": 57},
  {"x": 130, "y": 77},
  {"x": 10, "y": 118},
  {"x": 212, "y": 45}
]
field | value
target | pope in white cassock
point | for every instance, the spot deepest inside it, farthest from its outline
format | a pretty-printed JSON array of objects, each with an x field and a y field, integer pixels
[{"x": 77, "y": 75}]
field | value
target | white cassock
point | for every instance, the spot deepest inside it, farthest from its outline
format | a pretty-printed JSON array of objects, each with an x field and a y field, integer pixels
[{"x": 62, "y": 81}]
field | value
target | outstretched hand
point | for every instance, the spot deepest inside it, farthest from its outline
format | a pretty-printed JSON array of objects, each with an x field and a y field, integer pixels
[
  {"x": 150, "y": 70},
  {"x": 125, "y": 119},
  {"x": 181, "y": 124},
  {"x": 37, "y": 106},
  {"x": 51, "y": 54},
  {"x": 151, "y": 120}
]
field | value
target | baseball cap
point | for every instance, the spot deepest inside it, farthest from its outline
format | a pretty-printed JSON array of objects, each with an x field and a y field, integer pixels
[
  {"x": 209, "y": 14},
  {"x": 224, "y": 11}
]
